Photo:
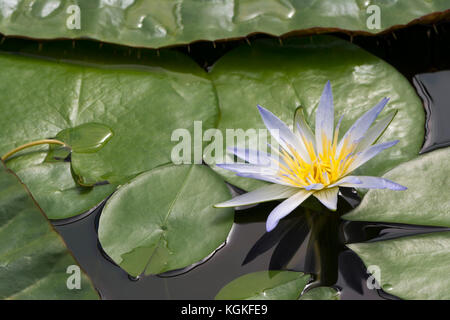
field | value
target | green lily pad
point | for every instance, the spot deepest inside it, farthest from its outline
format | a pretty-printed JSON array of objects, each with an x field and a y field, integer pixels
[
  {"x": 424, "y": 203},
  {"x": 83, "y": 141},
  {"x": 55, "y": 153},
  {"x": 170, "y": 22},
  {"x": 164, "y": 219},
  {"x": 59, "y": 196},
  {"x": 265, "y": 285},
  {"x": 31, "y": 157},
  {"x": 321, "y": 293},
  {"x": 52, "y": 184},
  {"x": 141, "y": 107},
  {"x": 33, "y": 258},
  {"x": 415, "y": 267},
  {"x": 131, "y": 110},
  {"x": 283, "y": 77},
  {"x": 86, "y": 138}
]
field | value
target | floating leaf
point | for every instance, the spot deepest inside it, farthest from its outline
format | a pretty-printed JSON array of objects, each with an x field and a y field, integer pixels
[
  {"x": 86, "y": 138},
  {"x": 33, "y": 258},
  {"x": 141, "y": 107},
  {"x": 83, "y": 140},
  {"x": 58, "y": 194},
  {"x": 424, "y": 203},
  {"x": 265, "y": 285},
  {"x": 171, "y": 22},
  {"x": 281, "y": 78},
  {"x": 321, "y": 293},
  {"x": 415, "y": 267},
  {"x": 164, "y": 219}
]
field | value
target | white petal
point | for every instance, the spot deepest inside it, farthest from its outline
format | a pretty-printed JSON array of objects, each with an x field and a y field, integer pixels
[
  {"x": 264, "y": 194},
  {"x": 328, "y": 197},
  {"x": 286, "y": 207}
]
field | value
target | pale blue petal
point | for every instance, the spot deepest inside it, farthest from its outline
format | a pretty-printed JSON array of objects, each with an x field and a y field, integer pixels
[
  {"x": 264, "y": 194},
  {"x": 375, "y": 183},
  {"x": 360, "y": 127},
  {"x": 328, "y": 197},
  {"x": 375, "y": 131},
  {"x": 324, "y": 117},
  {"x": 253, "y": 156},
  {"x": 368, "y": 154},
  {"x": 247, "y": 168},
  {"x": 338, "y": 126},
  {"x": 286, "y": 207},
  {"x": 281, "y": 132},
  {"x": 262, "y": 177},
  {"x": 346, "y": 180},
  {"x": 315, "y": 186},
  {"x": 301, "y": 127},
  {"x": 264, "y": 173}
]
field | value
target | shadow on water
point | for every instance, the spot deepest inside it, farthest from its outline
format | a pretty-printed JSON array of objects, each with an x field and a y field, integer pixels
[{"x": 307, "y": 240}]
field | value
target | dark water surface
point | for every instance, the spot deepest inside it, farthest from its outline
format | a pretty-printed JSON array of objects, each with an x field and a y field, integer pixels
[
  {"x": 305, "y": 241},
  {"x": 434, "y": 88}
]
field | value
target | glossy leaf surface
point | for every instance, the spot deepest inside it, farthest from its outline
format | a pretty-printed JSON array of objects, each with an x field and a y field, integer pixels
[
  {"x": 321, "y": 293},
  {"x": 265, "y": 285},
  {"x": 164, "y": 219},
  {"x": 146, "y": 23},
  {"x": 141, "y": 106},
  {"x": 283, "y": 77},
  {"x": 415, "y": 267},
  {"x": 426, "y": 202},
  {"x": 33, "y": 258},
  {"x": 58, "y": 194}
]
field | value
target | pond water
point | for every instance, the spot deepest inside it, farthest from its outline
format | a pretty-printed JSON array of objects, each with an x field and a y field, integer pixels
[{"x": 305, "y": 241}]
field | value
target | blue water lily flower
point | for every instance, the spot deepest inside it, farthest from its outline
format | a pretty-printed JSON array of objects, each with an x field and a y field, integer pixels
[{"x": 312, "y": 164}]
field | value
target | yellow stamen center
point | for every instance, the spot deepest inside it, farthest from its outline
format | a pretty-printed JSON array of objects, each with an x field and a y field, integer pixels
[{"x": 326, "y": 167}]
